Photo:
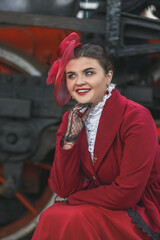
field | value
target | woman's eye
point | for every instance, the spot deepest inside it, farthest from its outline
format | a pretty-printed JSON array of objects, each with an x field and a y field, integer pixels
[
  {"x": 89, "y": 73},
  {"x": 71, "y": 76}
]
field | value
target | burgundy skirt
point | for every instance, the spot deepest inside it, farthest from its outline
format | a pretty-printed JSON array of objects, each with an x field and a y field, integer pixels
[{"x": 65, "y": 222}]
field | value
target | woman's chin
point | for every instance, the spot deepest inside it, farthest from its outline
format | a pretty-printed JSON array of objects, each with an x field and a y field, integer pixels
[{"x": 83, "y": 102}]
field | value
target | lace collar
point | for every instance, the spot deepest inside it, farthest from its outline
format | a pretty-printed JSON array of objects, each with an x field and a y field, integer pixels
[{"x": 92, "y": 121}]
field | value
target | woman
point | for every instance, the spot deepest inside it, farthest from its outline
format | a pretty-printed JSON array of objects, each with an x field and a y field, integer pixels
[{"x": 106, "y": 170}]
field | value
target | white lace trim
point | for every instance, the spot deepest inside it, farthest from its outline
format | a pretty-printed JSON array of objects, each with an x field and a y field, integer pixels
[{"x": 92, "y": 121}]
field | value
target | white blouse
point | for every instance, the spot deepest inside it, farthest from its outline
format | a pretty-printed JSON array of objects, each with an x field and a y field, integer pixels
[{"x": 92, "y": 121}]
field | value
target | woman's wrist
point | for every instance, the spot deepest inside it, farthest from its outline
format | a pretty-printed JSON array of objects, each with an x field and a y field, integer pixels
[{"x": 67, "y": 145}]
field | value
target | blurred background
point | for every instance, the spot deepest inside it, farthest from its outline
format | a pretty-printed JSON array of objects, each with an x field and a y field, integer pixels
[{"x": 30, "y": 32}]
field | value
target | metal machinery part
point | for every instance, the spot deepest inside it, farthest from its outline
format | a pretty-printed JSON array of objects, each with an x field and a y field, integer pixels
[
  {"x": 28, "y": 125},
  {"x": 49, "y": 7},
  {"x": 19, "y": 61},
  {"x": 28, "y": 228}
]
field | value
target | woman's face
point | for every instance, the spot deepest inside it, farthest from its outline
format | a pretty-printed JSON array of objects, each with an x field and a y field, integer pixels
[{"x": 86, "y": 80}]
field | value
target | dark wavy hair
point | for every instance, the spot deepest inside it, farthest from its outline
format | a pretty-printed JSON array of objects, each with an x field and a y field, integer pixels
[{"x": 96, "y": 52}]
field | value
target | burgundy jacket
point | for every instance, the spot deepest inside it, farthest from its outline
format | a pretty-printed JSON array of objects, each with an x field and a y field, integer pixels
[{"x": 126, "y": 170}]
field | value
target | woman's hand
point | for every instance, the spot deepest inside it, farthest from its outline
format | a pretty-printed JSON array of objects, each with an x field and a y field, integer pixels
[{"x": 76, "y": 122}]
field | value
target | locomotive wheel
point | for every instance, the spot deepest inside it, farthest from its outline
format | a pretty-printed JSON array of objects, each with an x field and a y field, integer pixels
[
  {"x": 15, "y": 61},
  {"x": 28, "y": 204},
  {"x": 28, "y": 201}
]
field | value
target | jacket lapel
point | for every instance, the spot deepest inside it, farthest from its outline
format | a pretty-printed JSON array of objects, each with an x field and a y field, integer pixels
[
  {"x": 109, "y": 124},
  {"x": 84, "y": 153}
]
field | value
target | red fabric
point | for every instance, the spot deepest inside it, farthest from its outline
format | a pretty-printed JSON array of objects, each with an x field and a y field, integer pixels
[
  {"x": 125, "y": 175},
  {"x": 56, "y": 73},
  {"x": 86, "y": 222}
]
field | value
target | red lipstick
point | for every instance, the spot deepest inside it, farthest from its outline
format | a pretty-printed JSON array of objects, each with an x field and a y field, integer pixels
[{"x": 82, "y": 91}]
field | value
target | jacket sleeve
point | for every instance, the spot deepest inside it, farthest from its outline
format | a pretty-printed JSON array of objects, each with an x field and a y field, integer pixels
[
  {"x": 139, "y": 136},
  {"x": 65, "y": 176}
]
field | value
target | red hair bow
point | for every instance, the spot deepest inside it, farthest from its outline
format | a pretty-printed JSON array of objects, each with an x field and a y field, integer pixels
[{"x": 56, "y": 73}]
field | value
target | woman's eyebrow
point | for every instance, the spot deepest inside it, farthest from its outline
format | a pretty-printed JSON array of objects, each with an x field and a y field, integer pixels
[
  {"x": 87, "y": 69},
  {"x": 70, "y": 72}
]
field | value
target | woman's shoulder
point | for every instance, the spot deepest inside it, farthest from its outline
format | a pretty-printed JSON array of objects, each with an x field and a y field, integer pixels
[
  {"x": 135, "y": 110},
  {"x": 139, "y": 117},
  {"x": 131, "y": 109}
]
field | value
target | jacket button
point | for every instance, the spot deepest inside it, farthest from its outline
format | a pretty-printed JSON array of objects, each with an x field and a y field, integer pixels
[
  {"x": 94, "y": 177},
  {"x": 95, "y": 159}
]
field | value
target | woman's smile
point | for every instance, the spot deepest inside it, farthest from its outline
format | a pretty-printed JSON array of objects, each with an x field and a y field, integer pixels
[{"x": 82, "y": 91}]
